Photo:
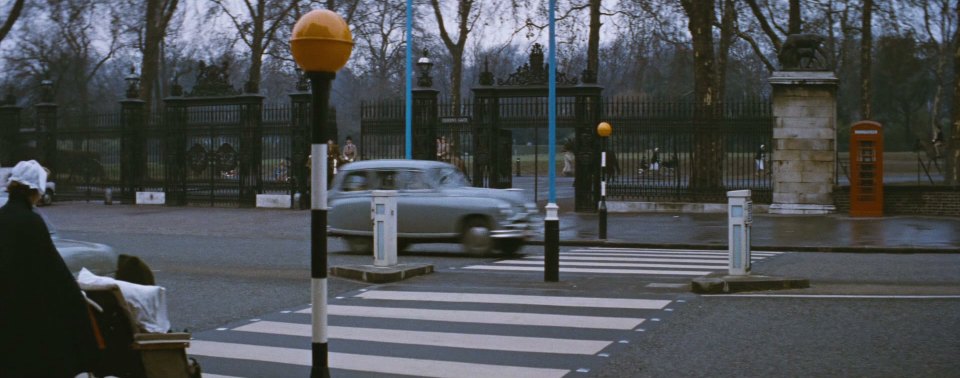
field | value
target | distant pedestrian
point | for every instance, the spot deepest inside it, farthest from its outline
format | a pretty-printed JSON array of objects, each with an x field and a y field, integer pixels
[
  {"x": 655, "y": 161},
  {"x": 569, "y": 159},
  {"x": 613, "y": 165},
  {"x": 938, "y": 140},
  {"x": 45, "y": 326},
  {"x": 759, "y": 158},
  {"x": 349, "y": 151}
]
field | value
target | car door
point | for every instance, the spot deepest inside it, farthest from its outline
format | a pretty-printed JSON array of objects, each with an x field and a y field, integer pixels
[
  {"x": 350, "y": 204},
  {"x": 419, "y": 208}
]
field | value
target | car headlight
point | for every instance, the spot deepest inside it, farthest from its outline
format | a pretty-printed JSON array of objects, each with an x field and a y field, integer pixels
[{"x": 505, "y": 210}]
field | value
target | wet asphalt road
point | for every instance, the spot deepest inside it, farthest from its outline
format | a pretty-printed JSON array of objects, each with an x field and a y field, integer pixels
[{"x": 224, "y": 265}]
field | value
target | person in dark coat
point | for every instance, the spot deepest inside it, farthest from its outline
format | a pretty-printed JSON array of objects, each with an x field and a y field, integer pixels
[{"x": 45, "y": 326}]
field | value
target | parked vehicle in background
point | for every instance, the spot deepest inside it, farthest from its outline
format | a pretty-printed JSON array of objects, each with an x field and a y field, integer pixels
[{"x": 435, "y": 203}]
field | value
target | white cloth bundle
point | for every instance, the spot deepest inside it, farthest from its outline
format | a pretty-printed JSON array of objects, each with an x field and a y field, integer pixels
[{"x": 148, "y": 303}]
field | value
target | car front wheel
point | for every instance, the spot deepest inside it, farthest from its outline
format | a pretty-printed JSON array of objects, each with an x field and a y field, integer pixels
[
  {"x": 47, "y": 198},
  {"x": 476, "y": 236}
]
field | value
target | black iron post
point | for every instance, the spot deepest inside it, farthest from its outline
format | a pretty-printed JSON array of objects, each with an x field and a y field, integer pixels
[
  {"x": 320, "y": 85},
  {"x": 518, "y": 167},
  {"x": 603, "y": 188},
  {"x": 551, "y": 244},
  {"x": 604, "y": 129}
]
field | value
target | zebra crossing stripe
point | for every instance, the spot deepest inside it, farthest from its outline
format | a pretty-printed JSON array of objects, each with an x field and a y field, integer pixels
[
  {"x": 594, "y": 251},
  {"x": 622, "y": 265},
  {"x": 438, "y": 339},
  {"x": 646, "y": 255},
  {"x": 367, "y": 363},
  {"x": 485, "y": 317},
  {"x": 536, "y": 300},
  {"x": 631, "y": 259},
  {"x": 587, "y": 270}
]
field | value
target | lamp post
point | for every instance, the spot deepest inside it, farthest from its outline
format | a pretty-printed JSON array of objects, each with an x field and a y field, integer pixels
[
  {"x": 424, "y": 65},
  {"x": 133, "y": 83},
  {"x": 551, "y": 222},
  {"x": 321, "y": 44},
  {"x": 603, "y": 130}
]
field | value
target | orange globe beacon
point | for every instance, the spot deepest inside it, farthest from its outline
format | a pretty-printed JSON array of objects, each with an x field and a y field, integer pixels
[
  {"x": 321, "y": 41},
  {"x": 604, "y": 129}
]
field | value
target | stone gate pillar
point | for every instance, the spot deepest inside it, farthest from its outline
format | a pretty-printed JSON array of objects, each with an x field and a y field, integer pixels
[
  {"x": 424, "y": 126},
  {"x": 251, "y": 149},
  {"x": 300, "y": 142},
  {"x": 174, "y": 148},
  {"x": 46, "y": 133},
  {"x": 9, "y": 131},
  {"x": 133, "y": 151},
  {"x": 804, "y": 142}
]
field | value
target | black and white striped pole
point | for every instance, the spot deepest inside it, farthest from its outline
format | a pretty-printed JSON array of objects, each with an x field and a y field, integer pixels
[
  {"x": 321, "y": 44},
  {"x": 603, "y": 130}
]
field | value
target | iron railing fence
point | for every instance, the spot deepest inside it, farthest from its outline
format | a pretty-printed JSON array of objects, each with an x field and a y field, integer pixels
[
  {"x": 87, "y": 155},
  {"x": 641, "y": 126}
]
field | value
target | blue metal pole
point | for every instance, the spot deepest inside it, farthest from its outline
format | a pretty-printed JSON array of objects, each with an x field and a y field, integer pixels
[
  {"x": 551, "y": 260},
  {"x": 409, "y": 90}
]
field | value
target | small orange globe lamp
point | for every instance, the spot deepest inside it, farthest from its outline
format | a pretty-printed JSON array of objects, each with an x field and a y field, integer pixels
[
  {"x": 604, "y": 129},
  {"x": 321, "y": 45}
]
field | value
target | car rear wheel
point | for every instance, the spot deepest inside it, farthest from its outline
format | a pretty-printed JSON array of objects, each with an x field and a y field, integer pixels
[{"x": 476, "y": 236}]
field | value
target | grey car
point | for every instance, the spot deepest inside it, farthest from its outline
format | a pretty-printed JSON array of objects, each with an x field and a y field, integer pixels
[{"x": 435, "y": 203}]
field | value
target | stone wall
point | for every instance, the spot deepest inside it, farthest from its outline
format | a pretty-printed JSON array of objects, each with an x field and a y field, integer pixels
[{"x": 804, "y": 138}]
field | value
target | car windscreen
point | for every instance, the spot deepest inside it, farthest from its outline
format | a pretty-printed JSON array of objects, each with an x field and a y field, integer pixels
[{"x": 451, "y": 178}]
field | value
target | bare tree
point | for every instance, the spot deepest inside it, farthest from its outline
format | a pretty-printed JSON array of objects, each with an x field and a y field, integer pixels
[
  {"x": 866, "y": 49},
  {"x": 257, "y": 30},
  {"x": 11, "y": 18},
  {"x": 379, "y": 49},
  {"x": 465, "y": 21},
  {"x": 68, "y": 42},
  {"x": 157, "y": 19},
  {"x": 953, "y": 174},
  {"x": 708, "y": 156}
]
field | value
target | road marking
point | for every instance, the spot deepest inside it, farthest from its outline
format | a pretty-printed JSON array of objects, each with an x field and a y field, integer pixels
[
  {"x": 375, "y": 364},
  {"x": 668, "y": 285},
  {"x": 645, "y": 255},
  {"x": 648, "y": 258},
  {"x": 669, "y": 251},
  {"x": 439, "y": 339},
  {"x": 836, "y": 296},
  {"x": 485, "y": 317},
  {"x": 208, "y": 375},
  {"x": 621, "y": 265},
  {"x": 592, "y": 302},
  {"x": 583, "y": 270}
]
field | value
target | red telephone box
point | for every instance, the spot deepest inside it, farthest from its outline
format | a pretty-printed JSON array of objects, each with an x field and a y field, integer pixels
[{"x": 866, "y": 169}]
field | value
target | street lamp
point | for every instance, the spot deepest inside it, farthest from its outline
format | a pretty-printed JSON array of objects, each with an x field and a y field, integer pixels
[
  {"x": 424, "y": 65},
  {"x": 133, "y": 84},
  {"x": 603, "y": 130},
  {"x": 321, "y": 44}
]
